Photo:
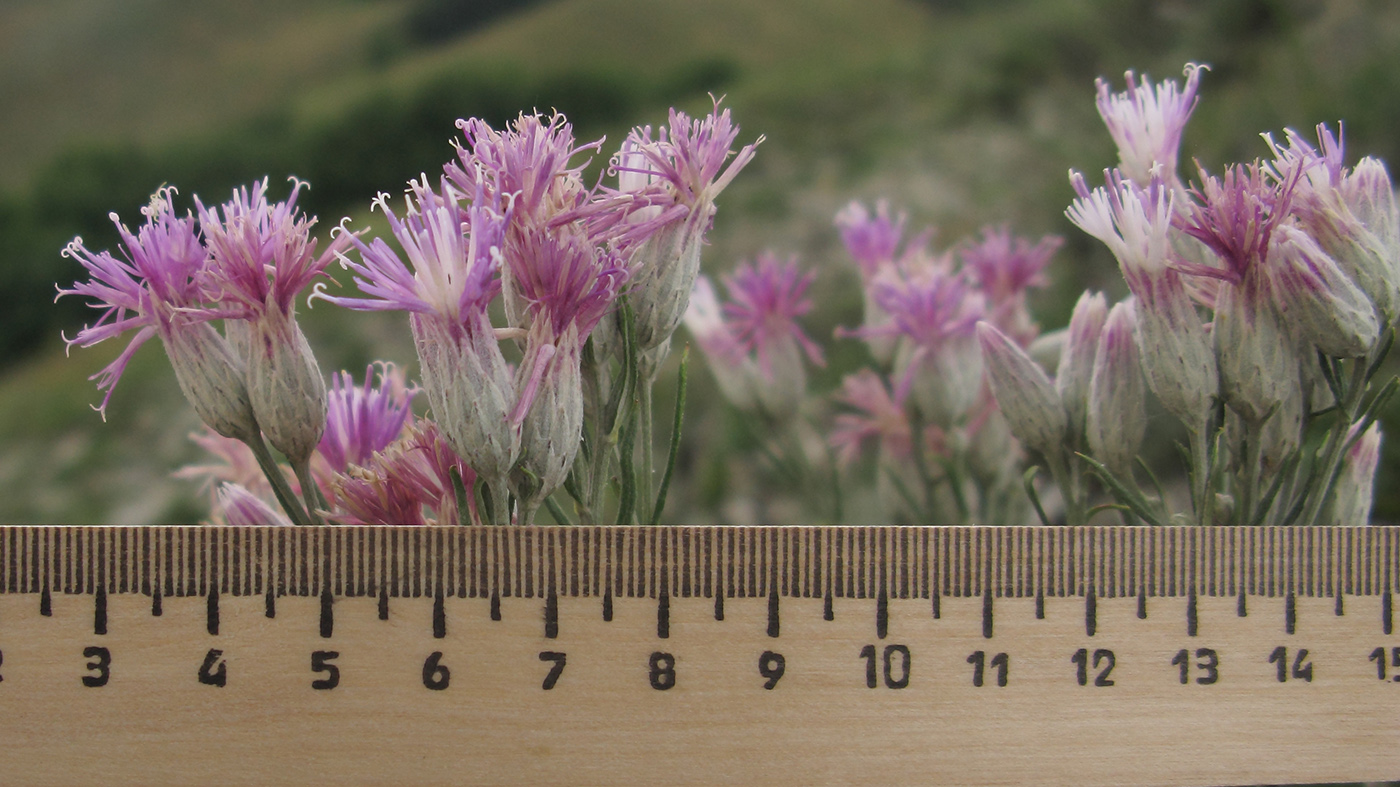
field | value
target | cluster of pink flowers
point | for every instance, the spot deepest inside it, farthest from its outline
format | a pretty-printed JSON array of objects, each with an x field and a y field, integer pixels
[
  {"x": 1270, "y": 288},
  {"x": 943, "y": 450},
  {"x": 510, "y": 219},
  {"x": 1262, "y": 299}
]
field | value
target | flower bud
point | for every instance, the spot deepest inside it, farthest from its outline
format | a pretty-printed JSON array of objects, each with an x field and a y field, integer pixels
[
  {"x": 1023, "y": 392},
  {"x": 285, "y": 387},
  {"x": 1318, "y": 300},
  {"x": 1257, "y": 357},
  {"x": 666, "y": 267},
  {"x": 1176, "y": 355},
  {"x": 1282, "y": 434},
  {"x": 470, "y": 393},
  {"x": 1076, "y": 365},
  {"x": 1117, "y": 412},
  {"x": 552, "y": 425},
  {"x": 1352, "y": 496},
  {"x": 212, "y": 378}
]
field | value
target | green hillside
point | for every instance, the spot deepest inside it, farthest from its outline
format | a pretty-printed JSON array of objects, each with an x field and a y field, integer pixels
[{"x": 962, "y": 113}]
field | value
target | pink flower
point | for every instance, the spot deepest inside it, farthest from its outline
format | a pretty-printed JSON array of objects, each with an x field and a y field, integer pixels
[
  {"x": 262, "y": 254},
  {"x": 361, "y": 420},
  {"x": 1146, "y": 122},
  {"x": 871, "y": 240},
  {"x": 1004, "y": 266},
  {"x": 408, "y": 483},
  {"x": 530, "y": 164},
  {"x": 456, "y": 254},
  {"x": 753, "y": 342},
  {"x": 662, "y": 209},
  {"x": 877, "y": 416},
  {"x": 155, "y": 290},
  {"x": 765, "y": 301}
]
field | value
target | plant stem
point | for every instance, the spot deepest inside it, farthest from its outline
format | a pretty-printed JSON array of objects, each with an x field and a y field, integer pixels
[
  {"x": 1336, "y": 440},
  {"x": 1074, "y": 511},
  {"x": 1249, "y": 483},
  {"x": 309, "y": 491},
  {"x": 278, "y": 481},
  {"x": 1200, "y": 472},
  {"x": 644, "y": 486}
]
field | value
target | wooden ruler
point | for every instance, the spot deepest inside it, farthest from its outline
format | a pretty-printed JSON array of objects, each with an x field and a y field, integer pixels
[{"x": 365, "y": 655}]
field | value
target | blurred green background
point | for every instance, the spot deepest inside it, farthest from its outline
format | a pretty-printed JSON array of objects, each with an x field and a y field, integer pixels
[{"x": 962, "y": 112}]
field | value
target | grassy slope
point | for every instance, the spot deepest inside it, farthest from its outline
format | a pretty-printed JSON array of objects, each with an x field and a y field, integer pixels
[{"x": 963, "y": 118}]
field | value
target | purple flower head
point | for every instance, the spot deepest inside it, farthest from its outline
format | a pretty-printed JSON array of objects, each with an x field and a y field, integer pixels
[
  {"x": 404, "y": 483},
  {"x": 562, "y": 277},
  {"x": 1132, "y": 221},
  {"x": 147, "y": 290},
  {"x": 1235, "y": 216},
  {"x": 455, "y": 254},
  {"x": 929, "y": 304},
  {"x": 528, "y": 164},
  {"x": 765, "y": 301},
  {"x": 682, "y": 171},
  {"x": 1003, "y": 266},
  {"x": 872, "y": 241},
  {"x": 1146, "y": 122},
  {"x": 262, "y": 254},
  {"x": 361, "y": 420},
  {"x": 238, "y": 505}
]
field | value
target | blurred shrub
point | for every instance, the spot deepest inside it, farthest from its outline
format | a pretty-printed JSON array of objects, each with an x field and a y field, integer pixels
[{"x": 435, "y": 21}]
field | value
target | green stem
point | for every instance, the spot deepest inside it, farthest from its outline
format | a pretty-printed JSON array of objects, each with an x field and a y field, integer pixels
[
  {"x": 1200, "y": 473},
  {"x": 648, "y": 459},
  {"x": 309, "y": 491},
  {"x": 1333, "y": 449},
  {"x": 1074, "y": 513},
  {"x": 675, "y": 438},
  {"x": 284, "y": 493},
  {"x": 1249, "y": 481}
]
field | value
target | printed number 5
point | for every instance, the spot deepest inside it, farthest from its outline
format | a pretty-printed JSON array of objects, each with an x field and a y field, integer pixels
[{"x": 320, "y": 662}]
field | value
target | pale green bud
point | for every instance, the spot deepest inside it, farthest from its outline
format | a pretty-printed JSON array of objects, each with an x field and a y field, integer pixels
[{"x": 1023, "y": 392}]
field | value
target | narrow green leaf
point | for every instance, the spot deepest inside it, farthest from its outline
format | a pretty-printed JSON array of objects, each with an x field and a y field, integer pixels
[
  {"x": 1125, "y": 495},
  {"x": 1028, "y": 481},
  {"x": 675, "y": 437}
]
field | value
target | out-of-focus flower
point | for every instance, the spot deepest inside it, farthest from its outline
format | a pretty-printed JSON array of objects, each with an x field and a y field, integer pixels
[
  {"x": 871, "y": 240},
  {"x": 935, "y": 311},
  {"x": 1135, "y": 224},
  {"x": 876, "y": 416},
  {"x": 262, "y": 256},
  {"x": 754, "y": 343},
  {"x": 1023, "y": 392},
  {"x": 1146, "y": 122},
  {"x": 1352, "y": 496},
  {"x": 1005, "y": 266},
  {"x": 239, "y": 506},
  {"x": 233, "y": 463},
  {"x": 155, "y": 290},
  {"x": 1116, "y": 418}
]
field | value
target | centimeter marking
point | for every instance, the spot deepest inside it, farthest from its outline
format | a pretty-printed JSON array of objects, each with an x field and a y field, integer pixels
[{"x": 710, "y": 562}]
